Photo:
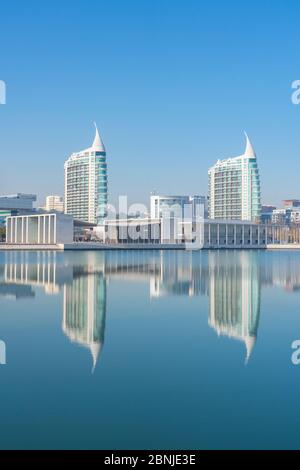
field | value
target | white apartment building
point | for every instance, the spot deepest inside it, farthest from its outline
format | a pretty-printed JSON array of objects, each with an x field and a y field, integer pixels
[
  {"x": 86, "y": 183},
  {"x": 234, "y": 187},
  {"x": 54, "y": 203}
]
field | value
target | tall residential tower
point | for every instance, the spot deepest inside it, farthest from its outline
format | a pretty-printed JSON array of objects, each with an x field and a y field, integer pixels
[
  {"x": 234, "y": 187},
  {"x": 86, "y": 183}
]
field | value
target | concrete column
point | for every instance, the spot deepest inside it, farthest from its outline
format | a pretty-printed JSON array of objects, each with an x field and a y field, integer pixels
[
  {"x": 49, "y": 228},
  {"x": 9, "y": 231},
  {"x": 280, "y": 238},
  {"x": 39, "y": 230},
  {"x": 27, "y": 231},
  {"x": 44, "y": 228},
  {"x": 16, "y": 230},
  {"x": 54, "y": 229},
  {"x": 13, "y": 231},
  {"x": 24, "y": 230}
]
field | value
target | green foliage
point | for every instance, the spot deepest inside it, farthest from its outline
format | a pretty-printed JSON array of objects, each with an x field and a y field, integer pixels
[{"x": 2, "y": 234}]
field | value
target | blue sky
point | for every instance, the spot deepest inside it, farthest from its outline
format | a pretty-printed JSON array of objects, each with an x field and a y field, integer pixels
[{"x": 171, "y": 84}]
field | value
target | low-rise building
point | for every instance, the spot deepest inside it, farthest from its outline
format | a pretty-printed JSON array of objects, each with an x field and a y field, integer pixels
[
  {"x": 40, "y": 229},
  {"x": 180, "y": 233},
  {"x": 15, "y": 204},
  {"x": 54, "y": 203},
  {"x": 178, "y": 206},
  {"x": 286, "y": 216},
  {"x": 291, "y": 203},
  {"x": 266, "y": 213}
]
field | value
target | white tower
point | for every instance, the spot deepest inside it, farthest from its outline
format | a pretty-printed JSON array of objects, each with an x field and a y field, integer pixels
[{"x": 86, "y": 183}]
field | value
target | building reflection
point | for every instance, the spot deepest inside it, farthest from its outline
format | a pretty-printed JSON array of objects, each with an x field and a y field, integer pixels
[
  {"x": 40, "y": 269},
  {"x": 232, "y": 280},
  {"x": 178, "y": 274},
  {"x": 85, "y": 310},
  {"x": 83, "y": 287},
  {"x": 234, "y": 296}
]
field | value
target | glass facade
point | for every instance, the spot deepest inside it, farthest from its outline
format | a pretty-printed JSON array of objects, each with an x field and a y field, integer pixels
[
  {"x": 234, "y": 189},
  {"x": 86, "y": 184}
]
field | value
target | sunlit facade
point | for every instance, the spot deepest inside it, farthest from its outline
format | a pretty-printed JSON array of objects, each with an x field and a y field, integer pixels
[
  {"x": 86, "y": 183},
  {"x": 234, "y": 188}
]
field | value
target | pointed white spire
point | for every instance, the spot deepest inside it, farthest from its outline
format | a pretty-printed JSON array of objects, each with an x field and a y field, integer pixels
[
  {"x": 95, "y": 349},
  {"x": 250, "y": 343},
  {"x": 98, "y": 145},
  {"x": 249, "y": 152}
]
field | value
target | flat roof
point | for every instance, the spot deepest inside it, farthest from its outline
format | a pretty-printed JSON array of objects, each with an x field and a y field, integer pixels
[{"x": 33, "y": 197}]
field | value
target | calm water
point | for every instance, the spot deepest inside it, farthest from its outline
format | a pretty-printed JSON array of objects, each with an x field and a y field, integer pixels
[{"x": 127, "y": 350}]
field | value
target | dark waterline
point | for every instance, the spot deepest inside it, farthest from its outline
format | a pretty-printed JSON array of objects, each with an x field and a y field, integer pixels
[{"x": 155, "y": 350}]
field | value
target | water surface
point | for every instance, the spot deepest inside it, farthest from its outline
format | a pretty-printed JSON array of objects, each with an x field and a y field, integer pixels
[{"x": 155, "y": 350}]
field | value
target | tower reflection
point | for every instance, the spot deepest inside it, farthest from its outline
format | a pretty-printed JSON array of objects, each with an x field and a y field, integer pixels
[
  {"x": 232, "y": 280},
  {"x": 234, "y": 296},
  {"x": 85, "y": 310}
]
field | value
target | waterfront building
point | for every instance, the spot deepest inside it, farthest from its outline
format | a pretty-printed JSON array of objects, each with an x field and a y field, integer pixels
[
  {"x": 40, "y": 229},
  {"x": 234, "y": 187},
  {"x": 174, "y": 233},
  {"x": 15, "y": 204},
  {"x": 54, "y": 203},
  {"x": 86, "y": 183},
  {"x": 180, "y": 207}
]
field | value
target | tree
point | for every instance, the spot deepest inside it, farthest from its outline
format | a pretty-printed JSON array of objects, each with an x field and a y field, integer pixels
[{"x": 2, "y": 234}]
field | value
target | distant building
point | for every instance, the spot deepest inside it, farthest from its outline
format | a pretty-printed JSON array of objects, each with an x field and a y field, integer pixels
[
  {"x": 291, "y": 203},
  {"x": 178, "y": 206},
  {"x": 268, "y": 209},
  {"x": 15, "y": 204},
  {"x": 286, "y": 216},
  {"x": 18, "y": 201},
  {"x": 234, "y": 187},
  {"x": 266, "y": 213},
  {"x": 86, "y": 183},
  {"x": 54, "y": 203}
]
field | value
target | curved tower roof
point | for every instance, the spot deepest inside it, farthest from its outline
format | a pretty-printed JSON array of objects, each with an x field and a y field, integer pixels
[
  {"x": 98, "y": 145},
  {"x": 249, "y": 151}
]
